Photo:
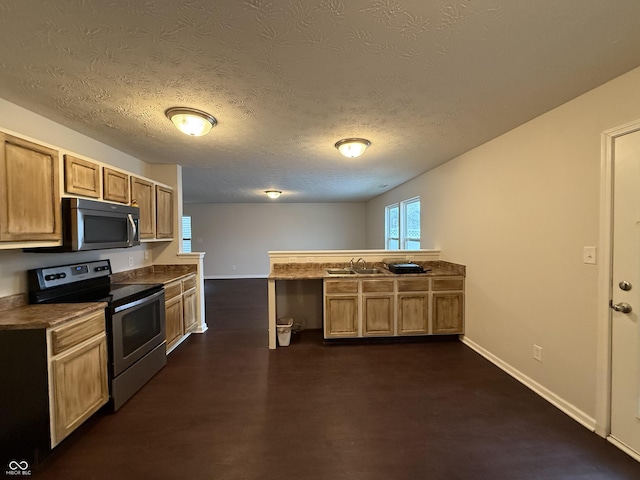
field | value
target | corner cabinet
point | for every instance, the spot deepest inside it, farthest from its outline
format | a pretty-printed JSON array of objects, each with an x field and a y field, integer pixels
[
  {"x": 389, "y": 307},
  {"x": 29, "y": 191}
]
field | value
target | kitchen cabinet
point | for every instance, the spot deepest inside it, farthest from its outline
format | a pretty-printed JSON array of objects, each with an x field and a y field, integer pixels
[
  {"x": 53, "y": 379},
  {"x": 173, "y": 312},
  {"x": 29, "y": 191},
  {"x": 181, "y": 303},
  {"x": 378, "y": 307},
  {"x": 189, "y": 303},
  {"x": 341, "y": 316},
  {"x": 81, "y": 177},
  {"x": 143, "y": 195},
  {"x": 398, "y": 306},
  {"x": 78, "y": 374},
  {"x": 413, "y": 306},
  {"x": 164, "y": 212},
  {"x": 448, "y": 305},
  {"x": 116, "y": 186}
]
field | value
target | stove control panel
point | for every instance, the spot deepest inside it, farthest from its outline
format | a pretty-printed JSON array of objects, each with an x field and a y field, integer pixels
[{"x": 49, "y": 277}]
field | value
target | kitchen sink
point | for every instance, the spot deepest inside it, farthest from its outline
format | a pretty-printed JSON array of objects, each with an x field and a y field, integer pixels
[
  {"x": 365, "y": 271},
  {"x": 340, "y": 271}
]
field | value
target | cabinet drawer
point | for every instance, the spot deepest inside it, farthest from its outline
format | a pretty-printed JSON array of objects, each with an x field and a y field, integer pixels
[
  {"x": 65, "y": 337},
  {"x": 377, "y": 286},
  {"x": 341, "y": 286},
  {"x": 413, "y": 284},
  {"x": 172, "y": 290},
  {"x": 188, "y": 283},
  {"x": 455, "y": 283}
]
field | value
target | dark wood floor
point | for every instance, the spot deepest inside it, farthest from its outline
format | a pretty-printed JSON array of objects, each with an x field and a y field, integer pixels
[{"x": 226, "y": 407}]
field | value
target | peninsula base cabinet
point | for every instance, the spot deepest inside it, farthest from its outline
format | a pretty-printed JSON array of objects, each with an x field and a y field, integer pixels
[
  {"x": 57, "y": 379},
  {"x": 393, "y": 307}
]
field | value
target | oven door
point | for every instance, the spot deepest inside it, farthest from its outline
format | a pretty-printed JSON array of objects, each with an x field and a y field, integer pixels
[{"x": 136, "y": 328}]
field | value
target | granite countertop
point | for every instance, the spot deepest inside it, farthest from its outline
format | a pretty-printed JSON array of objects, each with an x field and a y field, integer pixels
[
  {"x": 315, "y": 271},
  {"x": 33, "y": 317},
  {"x": 154, "y": 274}
]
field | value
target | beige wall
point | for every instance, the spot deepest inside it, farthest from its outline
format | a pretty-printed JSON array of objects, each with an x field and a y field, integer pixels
[
  {"x": 518, "y": 212},
  {"x": 241, "y": 234}
]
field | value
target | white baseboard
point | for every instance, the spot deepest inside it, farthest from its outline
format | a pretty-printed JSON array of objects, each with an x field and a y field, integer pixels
[
  {"x": 628, "y": 450},
  {"x": 578, "y": 415},
  {"x": 227, "y": 277}
]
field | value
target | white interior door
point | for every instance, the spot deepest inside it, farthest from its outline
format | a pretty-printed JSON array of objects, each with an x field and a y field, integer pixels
[{"x": 625, "y": 293}]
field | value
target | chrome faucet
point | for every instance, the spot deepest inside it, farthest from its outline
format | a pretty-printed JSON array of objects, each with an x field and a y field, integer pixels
[{"x": 364, "y": 264}]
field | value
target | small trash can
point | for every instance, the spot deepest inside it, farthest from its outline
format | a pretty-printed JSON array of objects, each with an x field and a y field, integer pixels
[{"x": 283, "y": 327}]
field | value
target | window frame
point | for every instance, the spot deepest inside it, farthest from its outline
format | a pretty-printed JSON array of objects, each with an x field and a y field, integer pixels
[{"x": 403, "y": 238}]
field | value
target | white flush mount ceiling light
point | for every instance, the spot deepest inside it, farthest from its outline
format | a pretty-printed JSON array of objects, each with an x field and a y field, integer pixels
[
  {"x": 352, "y": 147},
  {"x": 191, "y": 121},
  {"x": 273, "y": 193}
]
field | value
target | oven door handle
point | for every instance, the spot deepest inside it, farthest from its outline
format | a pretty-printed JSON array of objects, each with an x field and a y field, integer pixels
[
  {"x": 132, "y": 230},
  {"x": 135, "y": 303}
]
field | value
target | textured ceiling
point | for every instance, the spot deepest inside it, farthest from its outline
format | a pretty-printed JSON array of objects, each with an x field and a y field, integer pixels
[{"x": 423, "y": 80}]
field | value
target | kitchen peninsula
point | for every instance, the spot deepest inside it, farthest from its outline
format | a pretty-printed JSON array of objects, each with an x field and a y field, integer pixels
[{"x": 375, "y": 303}]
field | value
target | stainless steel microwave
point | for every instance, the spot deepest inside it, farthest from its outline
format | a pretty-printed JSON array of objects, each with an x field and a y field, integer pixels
[{"x": 93, "y": 225}]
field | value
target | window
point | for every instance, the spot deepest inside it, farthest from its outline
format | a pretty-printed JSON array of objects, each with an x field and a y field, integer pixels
[
  {"x": 186, "y": 234},
  {"x": 402, "y": 225}
]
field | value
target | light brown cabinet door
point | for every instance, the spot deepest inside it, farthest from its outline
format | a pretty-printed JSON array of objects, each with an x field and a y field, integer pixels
[
  {"x": 80, "y": 386},
  {"x": 116, "y": 186},
  {"x": 164, "y": 212},
  {"x": 377, "y": 315},
  {"x": 173, "y": 320},
  {"x": 143, "y": 195},
  {"x": 81, "y": 177},
  {"x": 29, "y": 191},
  {"x": 189, "y": 299},
  {"x": 413, "y": 313},
  {"x": 448, "y": 312},
  {"x": 341, "y": 316}
]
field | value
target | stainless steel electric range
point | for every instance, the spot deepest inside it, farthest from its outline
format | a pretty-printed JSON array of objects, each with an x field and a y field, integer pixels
[{"x": 135, "y": 319}]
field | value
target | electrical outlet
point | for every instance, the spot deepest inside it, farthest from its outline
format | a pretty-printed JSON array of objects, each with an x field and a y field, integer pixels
[
  {"x": 146, "y": 254},
  {"x": 537, "y": 353},
  {"x": 131, "y": 261},
  {"x": 233, "y": 267}
]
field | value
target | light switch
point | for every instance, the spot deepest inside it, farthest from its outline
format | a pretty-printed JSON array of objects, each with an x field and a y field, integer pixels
[{"x": 589, "y": 255}]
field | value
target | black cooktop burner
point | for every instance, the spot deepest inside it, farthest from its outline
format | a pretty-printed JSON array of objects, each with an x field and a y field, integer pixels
[{"x": 114, "y": 294}]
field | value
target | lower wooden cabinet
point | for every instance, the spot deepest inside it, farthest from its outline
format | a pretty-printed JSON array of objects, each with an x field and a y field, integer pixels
[
  {"x": 401, "y": 306},
  {"x": 413, "y": 313},
  {"x": 80, "y": 386},
  {"x": 173, "y": 319},
  {"x": 189, "y": 305},
  {"x": 448, "y": 313},
  {"x": 341, "y": 316},
  {"x": 181, "y": 303},
  {"x": 57, "y": 378},
  {"x": 377, "y": 315}
]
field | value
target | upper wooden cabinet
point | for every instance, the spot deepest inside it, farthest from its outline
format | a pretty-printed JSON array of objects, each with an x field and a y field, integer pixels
[
  {"x": 164, "y": 212},
  {"x": 143, "y": 195},
  {"x": 81, "y": 177},
  {"x": 116, "y": 186},
  {"x": 29, "y": 191}
]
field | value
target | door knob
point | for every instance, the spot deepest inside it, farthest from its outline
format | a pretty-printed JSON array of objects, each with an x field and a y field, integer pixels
[{"x": 622, "y": 307}]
